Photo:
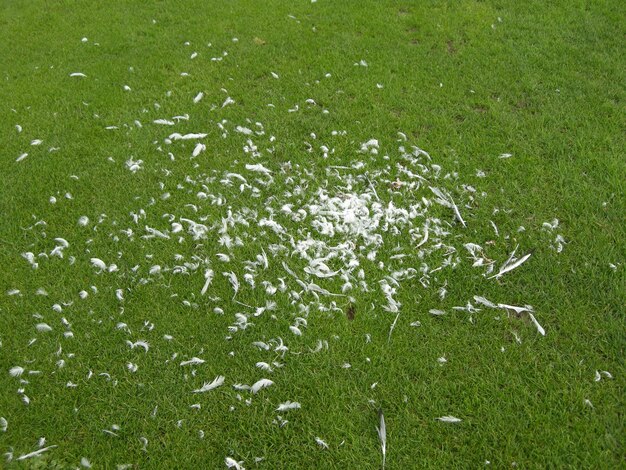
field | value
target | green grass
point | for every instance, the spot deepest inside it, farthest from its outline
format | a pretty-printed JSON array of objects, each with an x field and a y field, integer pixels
[{"x": 465, "y": 81}]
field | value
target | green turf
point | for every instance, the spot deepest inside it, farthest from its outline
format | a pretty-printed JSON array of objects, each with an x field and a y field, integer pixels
[{"x": 466, "y": 81}]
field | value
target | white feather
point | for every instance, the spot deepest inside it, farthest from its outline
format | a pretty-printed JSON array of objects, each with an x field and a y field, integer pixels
[
  {"x": 232, "y": 277},
  {"x": 449, "y": 419},
  {"x": 261, "y": 384},
  {"x": 198, "y": 149},
  {"x": 208, "y": 275},
  {"x": 232, "y": 463},
  {"x": 35, "y": 453},
  {"x": 321, "y": 443},
  {"x": 16, "y": 371},
  {"x": 536, "y": 323},
  {"x": 288, "y": 405},
  {"x": 217, "y": 382},
  {"x": 98, "y": 263},
  {"x": 382, "y": 435},
  {"x": 193, "y": 361}
]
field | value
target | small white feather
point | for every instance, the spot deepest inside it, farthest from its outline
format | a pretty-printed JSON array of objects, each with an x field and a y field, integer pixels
[
  {"x": 449, "y": 419},
  {"x": 217, "y": 382},
  {"x": 288, "y": 405},
  {"x": 261, "y": 384},
  {"x": 98, "y": 263}
]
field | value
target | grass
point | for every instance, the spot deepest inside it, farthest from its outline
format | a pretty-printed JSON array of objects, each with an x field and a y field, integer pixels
[{"x": 466, "y": 81}]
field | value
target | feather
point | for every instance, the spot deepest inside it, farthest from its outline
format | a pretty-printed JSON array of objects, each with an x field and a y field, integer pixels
[
  {"x": 208, "y": 275},
  {"x": 261, "y": 345},
  {"x": 198, "y": 97},
  {"x": 258, "y": 168},
  {"x": 218, "y": 381},
  {"x": 78, "y": 74},
  {"x": 446, "y": 200},
  {"x": 98, "y": 263},
  {"x": 382, "y": 434},
  {"x": 4, "y": 424},
  {"x": 321, "y": 443},
  {"x": 16, "y": 371},
  {"x": 232, "y": 277},
  {"x": 483, "y": 301},
  {"x": 264, "y": 366},
  {"x": 536, "y": 323},
  {"x": 232, "y": 463},
  {"x": 261, "y": 384},
  {"x": 141, "y": 343},
  {"x": 43, "y": 327},
  {"x": 35, "y": 453},
  {"x": 288, "y": 405},
  {"x": 393, "y": 325},
  {"x": 510, "y": 265},
  {"x": 449, "y": 419},
  {"x": 425, "y": 239},
  {"x": 177, "y": 136},
  {"x": 193, "y": 361},
  {"x": 198, "y": 149},
  {"x": 295, "y": 330}
]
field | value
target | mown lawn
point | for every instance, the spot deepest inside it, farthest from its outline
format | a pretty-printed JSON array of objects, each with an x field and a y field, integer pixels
[{"x": 518, "y": 108}]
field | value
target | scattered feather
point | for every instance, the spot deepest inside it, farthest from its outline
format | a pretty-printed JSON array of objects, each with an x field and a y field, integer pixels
[
  {"x": 217, "y": 382},
  {"x": 382, "y": 435},
  {"x": 449, "y": 419},
  {"x": 260, "y": 384}
]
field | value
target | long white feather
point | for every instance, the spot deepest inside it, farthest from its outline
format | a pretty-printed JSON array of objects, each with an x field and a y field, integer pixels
[
  {"x": 449, "y": 419},
  {"x": 193, "y": 361},
  {"x": 536, "y": 323},
  {"x": 232, "y": 277},
  {"x": 508, "y": 266},
  {"x": 382, "y": 435},
  {"x": 35, "y": 453}
]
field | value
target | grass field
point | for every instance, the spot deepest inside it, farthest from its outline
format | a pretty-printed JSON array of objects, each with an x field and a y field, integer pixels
[{"x": 213, "y": 210}]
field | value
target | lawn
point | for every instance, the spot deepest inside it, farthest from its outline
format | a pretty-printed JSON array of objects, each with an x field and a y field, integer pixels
[{"x": 234, "y": 233}]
